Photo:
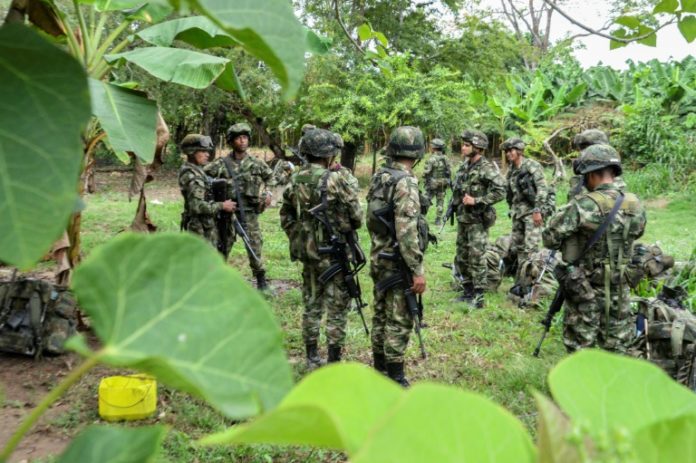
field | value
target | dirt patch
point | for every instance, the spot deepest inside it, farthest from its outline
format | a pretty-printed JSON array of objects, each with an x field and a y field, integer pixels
[{"x": 657, "y": 203}]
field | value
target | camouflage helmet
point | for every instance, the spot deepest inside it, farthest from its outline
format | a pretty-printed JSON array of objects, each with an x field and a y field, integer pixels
[
  {"x": 590, "y": 137},
  {"x": 241, "y": 128},
  {"x": 321, "y": 143},
  {"x": 307, "y": 127},
  {"x": 476, "y": 138},
  {"x": 513, "y": 142},
  {"x": 596, "y": 157},
  {"x": 437, "y": 144},
  {"x": 406, "y": 142},
  {"x": 194, "y": 142}
]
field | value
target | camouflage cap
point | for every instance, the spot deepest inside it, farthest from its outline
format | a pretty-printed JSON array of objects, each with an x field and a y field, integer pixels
[
  {"x": 597, "y": 157},
  {"x": 406, "y": 142},
  {"x": 476, "y": 138},
  {"x": 321, "y": 143},
  {"x": 194, "y": 142},
  {"x": 590, "y": 137},
  {"x": 437, "y": 144},
  {"x": 241, "y": 128},
  {"x": 513, "y": 142},
  {"x": 307, "y": 127}
]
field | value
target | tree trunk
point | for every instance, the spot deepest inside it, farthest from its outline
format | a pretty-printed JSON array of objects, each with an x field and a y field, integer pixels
[{"x": 348, "y": 153}]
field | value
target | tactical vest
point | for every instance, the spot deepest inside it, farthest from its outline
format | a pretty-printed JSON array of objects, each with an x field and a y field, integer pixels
[
  {"x": 35, "y": 317},
  {"x": 307, "y": 233},
  {"x": 381, "y": 196}
]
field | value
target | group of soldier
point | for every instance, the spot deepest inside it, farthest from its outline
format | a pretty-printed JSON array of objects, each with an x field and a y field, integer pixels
[{"x": 321, "y": 212}]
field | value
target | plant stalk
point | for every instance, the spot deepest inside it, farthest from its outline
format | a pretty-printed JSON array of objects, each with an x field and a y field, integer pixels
[
  {"x": 47, "y": 401},
  {"x": 104, "y": 47},
  {"x": 86, "y": 37}
]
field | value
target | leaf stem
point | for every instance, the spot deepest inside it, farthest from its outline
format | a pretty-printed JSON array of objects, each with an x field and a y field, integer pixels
[
  {"x": 73, "y": 44},
  {"x": 99, "y": 54},
  {"x": 47, "y": 401},
  {"x": 86, "y": 37},
  {"x": 99, "y": 29}
]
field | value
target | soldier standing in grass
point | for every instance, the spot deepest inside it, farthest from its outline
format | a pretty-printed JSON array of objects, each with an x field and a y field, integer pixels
[
  {"x": 317, "y": 197},
  {"x": 394, "y": 189},
  {"x": 199, "y": 208},
  {"x": 253, "y": 177},
  {"x": 437, "y": 176},
  {"x": 477, "y": 187},
  {"x": 526, "y": 196},
  {"x": 597, "y": 309}
]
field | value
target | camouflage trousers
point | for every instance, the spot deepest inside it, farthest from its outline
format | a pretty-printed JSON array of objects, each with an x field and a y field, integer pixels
[
  {"x": 524, "y": 241},
  {"x": 472, "y": 239},
  {"x": 231, "y": 237},
  {"x": 254, "y": 231},
  {"x": 331, "y": 298},
  {"x": 391, "y": 323},
  {"x": 585, "y": 323},
  {"x": 439, "y": 195},
  {"x": 204, "y": 228}
]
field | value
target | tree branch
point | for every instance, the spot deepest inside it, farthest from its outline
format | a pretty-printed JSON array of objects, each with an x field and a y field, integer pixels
[
  {"x": 345, "y": 30},
  {"x": 599, "y": 33}
]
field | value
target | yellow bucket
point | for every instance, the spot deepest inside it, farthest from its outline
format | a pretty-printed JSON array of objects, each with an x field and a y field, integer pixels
[{"x": 131, "y": 397}]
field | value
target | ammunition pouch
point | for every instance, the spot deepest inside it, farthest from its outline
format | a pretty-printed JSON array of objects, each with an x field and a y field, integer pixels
[
  {"x": 575, "y": 283},
  {"x": 488, "y": 217}
]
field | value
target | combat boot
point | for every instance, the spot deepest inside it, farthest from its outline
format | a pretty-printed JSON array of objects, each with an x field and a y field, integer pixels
[
  {"x": 334, "y": 354},
  {"x": 379, "y": 361},
  {"x": 438, "y": 222},
  {"x": 313, "y": 359},
  {"x": 477, "y": 298},
  {"x": 467, "y": 293},
  {"x": 396, "y": 372},
  {"x": 261, "y": 283}
]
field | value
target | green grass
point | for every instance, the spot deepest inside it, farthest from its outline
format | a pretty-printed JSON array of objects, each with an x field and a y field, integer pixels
[{"x": 487, "y": 351}]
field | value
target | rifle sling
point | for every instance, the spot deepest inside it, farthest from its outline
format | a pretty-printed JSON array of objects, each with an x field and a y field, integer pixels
[
  {"x": 233, "y": 175},
  {"x": 608, "y": 220}
]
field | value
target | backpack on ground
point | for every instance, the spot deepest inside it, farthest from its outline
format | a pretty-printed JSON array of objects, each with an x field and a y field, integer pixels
[{"x": 36, "y": 317}]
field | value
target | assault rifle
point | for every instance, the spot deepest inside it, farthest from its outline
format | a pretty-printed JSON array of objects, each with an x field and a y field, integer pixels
[
  {"x": 403, "y": 279},
  {"x": 449, "y": 214},
  {"x": 223, "y": 220},
  {"x": 348, "y": 266},
  {"x": 554, "y": 308},
  {"x": 530, "y": 294}
]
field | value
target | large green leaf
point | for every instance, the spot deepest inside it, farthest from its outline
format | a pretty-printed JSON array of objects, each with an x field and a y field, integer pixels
[
  {"x": 610, "y": 391},
  {"x": 185, "y": 67},
  {"x": 268, "y": 29},
  {"x": 44, "y": 105},
  {"x": 667, "y": 441},
  {"x": 335, "y": 407},
  {"x": 198, "y": 31},
  {"x": 111, "y": 444},
  {"x": 688, "y": 6},
  {"x": 553, "y": 433},
  {"x": 150, "y": 11},
  {"x": 444, "y": 424},
  {"x": 128, "y": 118},
  {"x": 575, "y": 93},
  {"x": 687, "y": 27},
  {"x": 666, "y": 6},
  {"x": 168, "y": 304}
]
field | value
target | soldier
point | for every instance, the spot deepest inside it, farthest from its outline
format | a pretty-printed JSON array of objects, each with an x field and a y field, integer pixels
[
  {"x": 596, "y": 295},
  {"x": 526, "y": 196},
  {"x": 248, "y": 173},
  {"x": 394, "y": 189},
  {"x": 581, "y": 141},
  {"x": 437, "y": 176},
  {"x": 477, "y": 187},
  {"x": 199, "y": 208},
  {"x": 318, "y": 197}
]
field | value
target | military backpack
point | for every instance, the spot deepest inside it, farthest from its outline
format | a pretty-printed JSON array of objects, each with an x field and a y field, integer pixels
[{"x": 36, "y": 317}]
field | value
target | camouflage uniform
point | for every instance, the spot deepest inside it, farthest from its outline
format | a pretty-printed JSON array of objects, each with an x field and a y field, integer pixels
[
  {"x": 581, "y": 141},
  {"x": 482, "y": 181},
  {"x": 307, "y": 235},
  {"x": 526, "y": 194},
  {"x": 394, "y": 184},
  {"x": 249, "y": 173},
  {"x": 437, "y": 176},
  {"x": 282, "y": 172},
  {"x": 199, "y": 208},
  {"x": 597, "y": 298}
]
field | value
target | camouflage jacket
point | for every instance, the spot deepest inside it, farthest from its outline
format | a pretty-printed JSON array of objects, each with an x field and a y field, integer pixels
[
  {"x": 480, "y": 180},
  {"x": 349, "y": 179},
  {"x": 251, "y": 172},
  {"x": 437, "y": 173},
  {"x": 304, "y": 231},
  {"x": 282, "y": 172},
  {"x": 526, "y": 188},
  {"x": 570, "y": 229},
  {"x": 199, "y": 208},
  {"x": 407, "y": 212},
  {"x": 577, "y": 187}
]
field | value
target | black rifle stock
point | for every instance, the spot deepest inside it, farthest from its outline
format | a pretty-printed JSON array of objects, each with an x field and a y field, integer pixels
[
  {"x": 404, "y": 279},
  {"x": 554, "y": 308},
  {"x": 224, "y": 219}
]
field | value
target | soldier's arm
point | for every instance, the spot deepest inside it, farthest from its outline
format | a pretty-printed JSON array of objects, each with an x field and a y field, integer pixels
[
  {"x": 561, "y": 225},
  {"x": 288, "y": 213},
  {"x": 496, "y": 188},
  {"x": 265, "y": 173},
  {"x": 196, "y": 192},
  {"x": 212, "y": 169},
  {"x": 406, "y": 212},
  {"x": 542, "y": 188}
]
